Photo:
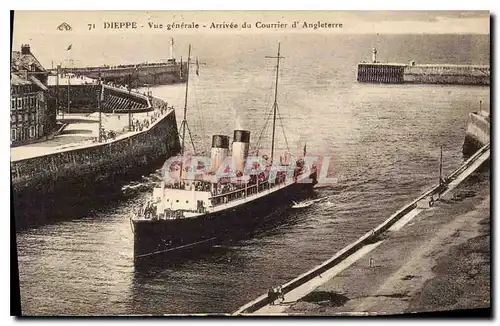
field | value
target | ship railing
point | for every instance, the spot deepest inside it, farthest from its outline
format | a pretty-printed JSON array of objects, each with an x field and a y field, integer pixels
[
  {"x": 185, "y": 184},
  {"x": 231, "y": 195},
  {"x": 244, "y": 192}
]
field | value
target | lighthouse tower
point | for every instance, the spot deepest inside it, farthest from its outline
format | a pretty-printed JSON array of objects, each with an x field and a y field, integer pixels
[{"x": 374, "y": 55}]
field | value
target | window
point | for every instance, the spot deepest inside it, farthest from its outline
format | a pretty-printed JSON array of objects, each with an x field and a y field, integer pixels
[
  {"x": 13, "y": 134},
  {"x": 32, "y": 131},
  {"x": 13, "y": 103},
  {"x": 19, "y": 103},
  {"x": 26, "y": 117},
  {"x": 19, "y": 118},
  {"x": 32, "y": 117}
]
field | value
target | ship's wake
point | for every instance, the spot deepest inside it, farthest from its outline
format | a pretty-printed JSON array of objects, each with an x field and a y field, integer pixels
[
  {"x": 310, "y": 202},
  {"x": 147, "y": 183}
]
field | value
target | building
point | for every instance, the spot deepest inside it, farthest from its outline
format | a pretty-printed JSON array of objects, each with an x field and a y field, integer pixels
[
  {"x": 32, "y": 108},
  {"x": 26, "y": 60},
  {"x": 28, "y": 110}
]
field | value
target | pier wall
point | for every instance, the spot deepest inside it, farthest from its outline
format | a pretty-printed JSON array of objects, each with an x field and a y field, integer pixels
[
  {"x": 395, "y": 73},
  {"x": 447, "y": 74},
  {"x": 376, "y": 73},
  {"x": 117, "y": 156},
  {"x": 151, "y": 74},
  {"x": 477, "y": 133}
]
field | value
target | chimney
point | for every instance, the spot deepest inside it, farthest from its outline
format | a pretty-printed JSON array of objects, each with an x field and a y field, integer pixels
[
  {"x": 241, "y": 145},
  {"x": 25, "y": 49},
  {"x": 219, "y": 151}
]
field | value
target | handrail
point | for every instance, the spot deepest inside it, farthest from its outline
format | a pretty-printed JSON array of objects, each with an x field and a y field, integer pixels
[{"x": 239, "y": 190}]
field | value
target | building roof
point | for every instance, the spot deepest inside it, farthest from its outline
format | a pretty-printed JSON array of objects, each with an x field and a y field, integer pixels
[
  {"x": 38, "y": 83},
  {"x": 18, "y": 80},
  {"x": 25, "y": 61}
]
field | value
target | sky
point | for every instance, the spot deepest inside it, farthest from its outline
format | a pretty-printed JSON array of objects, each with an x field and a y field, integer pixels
[
  {"x": 29, "y": 24},
  {"x": 40, "y": 28}
]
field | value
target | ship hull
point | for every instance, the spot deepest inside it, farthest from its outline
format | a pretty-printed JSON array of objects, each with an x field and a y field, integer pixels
[{"x": 169, "y": 238}]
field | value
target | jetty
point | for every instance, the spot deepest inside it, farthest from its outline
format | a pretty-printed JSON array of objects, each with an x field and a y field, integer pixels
[
  {"x": 107, "y": 135},
  {"x": 400, "y": 256},
  {"x": 412, "y": 73},
  {"x": 159, "y": 73},
  {"x": 478, "y": 131},
  {"x": 169, "y": 71}
]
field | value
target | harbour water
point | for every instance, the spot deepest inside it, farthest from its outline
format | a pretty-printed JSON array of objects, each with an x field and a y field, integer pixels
[{"x": 382, "y": 140}]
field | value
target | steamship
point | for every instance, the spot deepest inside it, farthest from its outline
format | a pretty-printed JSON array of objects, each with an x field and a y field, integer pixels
[{"x": 188, "y": 210}]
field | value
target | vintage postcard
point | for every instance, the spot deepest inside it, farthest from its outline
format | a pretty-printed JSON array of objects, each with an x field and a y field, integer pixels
[{"x": 320, "y": 163}]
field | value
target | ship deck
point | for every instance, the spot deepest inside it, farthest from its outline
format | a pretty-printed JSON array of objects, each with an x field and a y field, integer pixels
[{"x": 80, "y": 131}]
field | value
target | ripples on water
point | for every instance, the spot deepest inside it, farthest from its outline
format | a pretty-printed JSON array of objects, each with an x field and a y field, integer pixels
[{"x": 383, "y": 141}]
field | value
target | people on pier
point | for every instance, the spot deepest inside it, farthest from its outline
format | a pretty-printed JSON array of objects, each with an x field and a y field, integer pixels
[
  {"x": 431, "y": 201},
  {"x": 275, "y": 293}
]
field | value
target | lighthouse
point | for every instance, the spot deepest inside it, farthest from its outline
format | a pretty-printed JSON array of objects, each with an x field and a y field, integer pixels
[
  {"x": 172, "y": 48},
  {"x": 374, "y": 55}
]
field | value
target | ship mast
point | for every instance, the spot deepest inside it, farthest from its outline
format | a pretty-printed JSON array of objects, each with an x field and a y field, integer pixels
[
  {"x": 184, "y": 124},
  {"x": 275, "y": 105},
  {"x": 99, "y": 96}
]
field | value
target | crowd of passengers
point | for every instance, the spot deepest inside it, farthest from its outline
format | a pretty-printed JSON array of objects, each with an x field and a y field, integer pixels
[
  {"x": 224, "y": 186},
  {"x": 139, "y": 125}
]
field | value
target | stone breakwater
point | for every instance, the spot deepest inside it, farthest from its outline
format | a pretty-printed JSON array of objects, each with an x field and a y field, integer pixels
[
  {"x": 477, "y": 133},
  {"x": 397, "y": 73},
  {"x": 160, "y": 73}
]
